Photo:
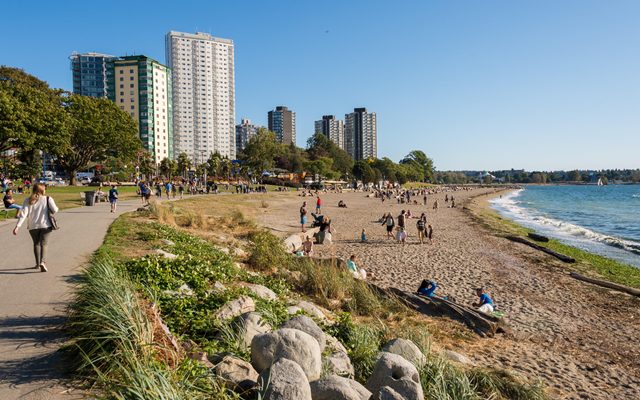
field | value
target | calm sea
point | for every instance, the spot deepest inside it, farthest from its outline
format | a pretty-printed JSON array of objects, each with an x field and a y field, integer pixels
[{"x": 599, "y": 219}]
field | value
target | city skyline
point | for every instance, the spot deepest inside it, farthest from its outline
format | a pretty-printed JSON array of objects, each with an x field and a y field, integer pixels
[{"x": 475, "y": 86}]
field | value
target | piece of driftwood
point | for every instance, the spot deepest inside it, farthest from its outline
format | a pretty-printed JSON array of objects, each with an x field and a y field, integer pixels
[
  {"x": 483, "y": 324},
  {"x": 538, "y": 238},
  {"x": 607, "y": 284},
  {"x": 557, "y": 255}
]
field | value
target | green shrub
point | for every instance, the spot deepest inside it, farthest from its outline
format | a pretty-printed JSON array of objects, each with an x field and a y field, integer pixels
[{"x": 267, "y": 252}]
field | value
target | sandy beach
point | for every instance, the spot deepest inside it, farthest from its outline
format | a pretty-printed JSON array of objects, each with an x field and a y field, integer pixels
[{"x": 581, "y": 341}]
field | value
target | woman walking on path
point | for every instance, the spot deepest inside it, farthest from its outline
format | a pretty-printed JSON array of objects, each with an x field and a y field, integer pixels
[{"x": 37, "y": 210}]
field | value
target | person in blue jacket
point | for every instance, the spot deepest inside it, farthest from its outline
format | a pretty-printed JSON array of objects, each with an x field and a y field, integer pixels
[{"x": 427, "y": 288}]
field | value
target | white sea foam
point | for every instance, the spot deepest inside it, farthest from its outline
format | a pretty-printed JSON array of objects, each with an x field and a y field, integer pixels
[
  {"x": 510, "y": 206},
  {"x": 637, "y": 195}
]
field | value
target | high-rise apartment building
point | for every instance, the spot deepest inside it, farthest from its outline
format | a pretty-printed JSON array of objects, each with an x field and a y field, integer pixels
[
  {"x": 203, "y": 94},
  {"x": 141, "y": 86},
  {"x": 360, "y": 134},
  {"x": 90, "y": 73},
  {"x": 332, "y": 128},
  {"x": 245, "y": 130},
  {"x": 282, "y": 122}
]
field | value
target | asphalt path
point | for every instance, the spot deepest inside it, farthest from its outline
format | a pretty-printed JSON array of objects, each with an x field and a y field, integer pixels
[{"x": 32, "y": 303}]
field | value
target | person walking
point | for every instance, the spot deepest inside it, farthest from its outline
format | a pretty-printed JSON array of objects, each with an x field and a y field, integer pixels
[
  {"x": 37, "y": 210},
  {"x": 389, "y": 223},
  {"x": 318, "y": 205},
  {"x": 113, "y": 197}
]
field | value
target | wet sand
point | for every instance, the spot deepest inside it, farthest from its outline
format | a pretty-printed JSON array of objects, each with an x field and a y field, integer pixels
[{"x": 582, "y": 341}]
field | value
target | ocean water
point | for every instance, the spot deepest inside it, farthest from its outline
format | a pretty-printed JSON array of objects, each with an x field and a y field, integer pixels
[{"x": 600, "y": 219}]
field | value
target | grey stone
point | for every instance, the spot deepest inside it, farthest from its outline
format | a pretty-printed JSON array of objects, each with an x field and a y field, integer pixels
[
  {"x": 165, "y": 254},
  {"x": 407, "y": 349},
  {"x": 456, "y": 357},
  {"x": 292, "y": 344},
  {"x": 386, "y": 393},
  {"x": 238, "y": 252},
  {"x": 237, "y": 373},
  {"x": 337, "y": 360},
  {"x": 306, "y": 324},
  {"x": 399, "y": 374},
  {"x": 167, "y": 242},
  {"x": 234, "y": 308},
  {"x": 312, "y": 309},
  {"x": 284, "y": 380},
  {"x": 249, "y": 325},
  {"x": 291, "y": 310},
  {"x": 261, "y": 291},
  {"x": 338, "y": 388},
  {"x": 202, "y": 358}
]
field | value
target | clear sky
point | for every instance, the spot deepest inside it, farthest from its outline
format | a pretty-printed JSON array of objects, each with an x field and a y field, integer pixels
[{"x": 542, "y": 84}]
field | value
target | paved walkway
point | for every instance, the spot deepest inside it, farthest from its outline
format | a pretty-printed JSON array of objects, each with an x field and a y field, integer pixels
[{"x": 32, "y": 303}]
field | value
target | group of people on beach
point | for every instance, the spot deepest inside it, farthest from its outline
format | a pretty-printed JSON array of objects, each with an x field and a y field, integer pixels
[
  {"x": 484, "y": 304},
  {"x": 425, "y": 230}
]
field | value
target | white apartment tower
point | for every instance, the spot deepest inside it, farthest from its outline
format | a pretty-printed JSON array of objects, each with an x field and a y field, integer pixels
[
  {"x": 332, "y": 128},
  {"x": 203, "y": 94},
  {"x": 361, "y": 134}
]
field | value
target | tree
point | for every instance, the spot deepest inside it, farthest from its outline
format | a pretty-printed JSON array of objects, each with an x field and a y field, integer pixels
[
  {"x": 214, "y": 164},
  {"x": 363, "y": 171},
  {"x": 321, "y": 167},
  {"x": 574, "y": 176},
  {"x": 291, "y": 158},
  {"x": 99, "y": 130},
  {"x": 183, "y": 164},
  {"x": 168, "y": 167},
  {"x": 146, "y": 164},
  {"x": 319, "y": 146},
  {"x": 418, "y": 160},
  {"x": 261, "y": 151}
]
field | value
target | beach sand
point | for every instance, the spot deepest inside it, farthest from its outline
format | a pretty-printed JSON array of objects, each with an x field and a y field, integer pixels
[{"x": 582, "y": 341}]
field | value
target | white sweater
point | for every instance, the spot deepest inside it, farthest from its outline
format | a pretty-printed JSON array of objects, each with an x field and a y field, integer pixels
[{"x": 37, "y": 214}]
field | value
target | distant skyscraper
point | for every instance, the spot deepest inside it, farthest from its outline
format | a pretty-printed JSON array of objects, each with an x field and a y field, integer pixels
[
  {"x": 141, "y": 86},
  {"x": 360, "y": 134},
  {"x": 245, "y": 130},
  {"x": 332, "y": 128},
  {"x": 203, "y": 94},
  {"x": 282, "y": 121},
  {"x": 90, "y": 73}
]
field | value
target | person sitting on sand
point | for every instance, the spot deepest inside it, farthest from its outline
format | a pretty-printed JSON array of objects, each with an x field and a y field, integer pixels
[
  {"x": 485, "y": 305},
  {"x": 427, "y": 288},
  {"x": 307, "y": 246},
  {"x": 358, "y": 273},
  {"x": 342, "y": 204}
]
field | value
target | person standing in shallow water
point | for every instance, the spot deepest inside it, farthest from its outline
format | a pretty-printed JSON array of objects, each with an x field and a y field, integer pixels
[{"x": 36, "y": 211}]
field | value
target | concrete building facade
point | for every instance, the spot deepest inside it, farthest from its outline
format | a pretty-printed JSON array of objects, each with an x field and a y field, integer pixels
[
  {"x": 89, "y": 72},
  {"x": 203, "y": 94},
  {"x": 282, "y": 122},
  {"x": 142, "y": 87},
  {"x": 332, "y": 128},
  {"x": 245, "y": 130},
  {"x": 361, "y": 134}
]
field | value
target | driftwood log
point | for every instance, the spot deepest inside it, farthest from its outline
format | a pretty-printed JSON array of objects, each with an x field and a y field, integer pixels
[
  {"x": 557, "y": 255},
  {"x": 607, "y": 284},
  {"x": 538, "y": 238},
  {"x": 483, "y": 324}
]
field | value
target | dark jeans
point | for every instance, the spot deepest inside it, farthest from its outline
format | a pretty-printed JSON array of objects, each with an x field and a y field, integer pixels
[{"x": 40, "y": 238}]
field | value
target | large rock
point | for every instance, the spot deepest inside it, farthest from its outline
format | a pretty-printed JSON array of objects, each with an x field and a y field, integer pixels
[
  {"x": 167, "y": 242},
  {"x": 407, "y": 349},
  {"x": 386, "y": 393},
  {"x": 292, "y": 344},
  {"x": 237, "y": 373},
  {"x": 312, "y": 310},
  {"x": 399, "y": 374},
  {"x": 284, "y": 380},
  {"x": 261, "y": 291},
  {"x": 166, "y": 254},
  {"x": 249, "y": 325},
  {"x": 306, "y": 324},
  {"x": 338, "y": 388},
  {"x": 234, "y": 308},
  {"x": 456, "y": 357},
  {"x": 202, "y": 358},
  {"x": 337, "y": 360}
]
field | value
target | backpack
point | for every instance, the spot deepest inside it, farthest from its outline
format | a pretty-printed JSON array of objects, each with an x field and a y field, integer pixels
[{"x": 421, "y": 224}]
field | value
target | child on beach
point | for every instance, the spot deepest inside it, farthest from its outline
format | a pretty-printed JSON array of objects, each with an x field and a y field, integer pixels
[
  {"x": 485, "y": 305},
  {"x": 430, "y": 233},
  {"x": 363, "y": 236},
  {"x": 307, "y": 246},
  {"x": 427, "y": 288},
  {"x": 401, "y": 235},
  {"x": 358, "y": 273}
]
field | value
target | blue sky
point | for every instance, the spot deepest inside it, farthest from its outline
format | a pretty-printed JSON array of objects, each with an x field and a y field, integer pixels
[{"x": 475, "y": 84}]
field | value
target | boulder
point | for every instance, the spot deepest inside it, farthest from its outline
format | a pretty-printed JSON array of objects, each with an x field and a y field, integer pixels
[
  {"x": 399, "y": 374},
  {"x": 284, "y": 380},
  {"x": 292, "y": 344},
  {"x": 407, "y": 349},
  {"x": 292, "y": 310},
  {"x": 261, "y": 291},
  {"x": 337, "y": 360},
  {"x": 249, "y": 325},
  {"x": 456, "y": 357},
  {"x": 338, "y": 388},
  {"x": 306, "y": 324},
  {"x": 237, "y": 373},
  {"x": 311, "y": 309},
  {"x": 167, "y": 242},
  {"x": 234, "y": 308},
  {"x": 238, "y": 252},
  {"x": 202, "y": 358},
  {"x": 386, "y": 393},
  {"x": 165, "y": 254}
]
